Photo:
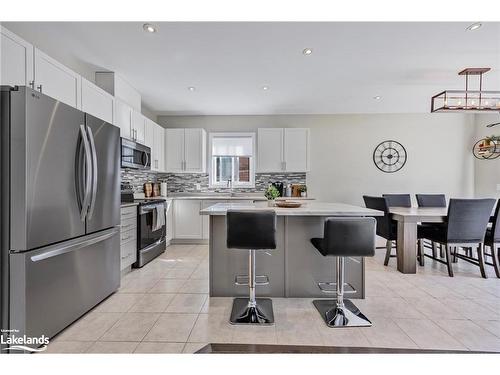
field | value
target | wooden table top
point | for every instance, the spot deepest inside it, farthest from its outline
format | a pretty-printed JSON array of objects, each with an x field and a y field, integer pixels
[{"x": 415, "y": 214}]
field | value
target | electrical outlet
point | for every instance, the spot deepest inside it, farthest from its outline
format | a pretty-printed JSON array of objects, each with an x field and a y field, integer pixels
[
  {"x": 498, "y": 187},
  {"x": 198, "y": 187}
]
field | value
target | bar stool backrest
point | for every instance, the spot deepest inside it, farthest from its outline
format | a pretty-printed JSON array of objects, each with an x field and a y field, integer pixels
[
  {"x": 495, "y": 229},
  {"x": 468, "y": 219},
  {"x": 383, "y": 222},
  {"x": 398, "y": 200},
  {"x": 251, "y": 230},
  {"x": 431, "y": 200},
  {"x": 350, "y": 236}
]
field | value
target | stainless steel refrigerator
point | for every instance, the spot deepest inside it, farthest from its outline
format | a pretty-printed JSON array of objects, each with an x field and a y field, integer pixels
[{"x": 60, "y": 212}]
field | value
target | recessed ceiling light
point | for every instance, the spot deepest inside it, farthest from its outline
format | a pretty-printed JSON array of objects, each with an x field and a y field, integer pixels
[
  {"x": 191, "y": 88},
  {"x": 378, "y": 97},
  {"x": 474, "y": 26},
  {"x": 307, "y": 51},
  {"x": 149, "y": 28},
  {"x": 265, "y": 88}
]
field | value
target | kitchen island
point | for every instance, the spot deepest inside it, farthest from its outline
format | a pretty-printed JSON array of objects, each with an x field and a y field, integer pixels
[{"x": 295, "y": 267}]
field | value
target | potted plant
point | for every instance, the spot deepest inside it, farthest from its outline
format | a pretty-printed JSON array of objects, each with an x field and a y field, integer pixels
[
  {"x": 303, "y": 191},
  {"x": 271, "y": 194}
]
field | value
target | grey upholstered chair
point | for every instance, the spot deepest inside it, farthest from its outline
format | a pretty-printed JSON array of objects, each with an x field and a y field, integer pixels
[
  {"x": 492, "y": 240},
  {"x": 436, "y": 201},
  {"x": 398, "y": 200},
  {"x": 344, "y": 237},
  {"x": 386, "y": 227},
  {"x": 465, "y": 227},
  {"x": 252, "y": 231}
]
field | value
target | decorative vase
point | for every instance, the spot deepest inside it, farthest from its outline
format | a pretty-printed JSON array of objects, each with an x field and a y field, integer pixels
[
  {"x": 270, "y": 203},
  {"x": 303, "y": 194}
]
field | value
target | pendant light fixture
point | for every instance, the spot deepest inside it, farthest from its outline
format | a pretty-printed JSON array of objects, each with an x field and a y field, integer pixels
[{"x": 467, "y": 100}]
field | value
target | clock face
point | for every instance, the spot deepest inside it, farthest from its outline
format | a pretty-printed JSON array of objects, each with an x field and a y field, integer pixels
[{"x": 389, "y": 156}]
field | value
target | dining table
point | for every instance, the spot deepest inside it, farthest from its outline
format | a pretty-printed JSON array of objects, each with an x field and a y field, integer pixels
[{"x": 407, "y": 219}]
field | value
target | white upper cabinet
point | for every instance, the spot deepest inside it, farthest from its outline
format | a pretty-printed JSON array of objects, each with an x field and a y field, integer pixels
[
  {"x": 174, "y": 155},
  {"x": 296, "y": 150},
  {"x": 186, "y": 150},
  {"x": 195, "y": 150},
  {"x": 155, "y": 139},
  {"x": 138, "y": 127},
  {"x": 283, "y": 150},
  {"x": 270, "y": 150},
  {"x": 123, "y": 118},
  {"x": 96, "y": 101},
  {"x": 55, "y": 80},
  {"x": 16, "y": 61},
  {"x": 159, "y": 145},
  {"x": 119, "y": 88}
]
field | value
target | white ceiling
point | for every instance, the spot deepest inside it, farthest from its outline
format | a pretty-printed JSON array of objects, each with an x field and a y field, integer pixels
[{"x": 228, "y": 63}]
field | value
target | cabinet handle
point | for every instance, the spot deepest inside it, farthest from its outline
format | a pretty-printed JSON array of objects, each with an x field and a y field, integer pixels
[
  {"x": 127, "y": 238},
  {"x": 32, "y": 84},
  {"x": 284, "y": 165},
  {"x": 126, "y": 256},
  {"x": 39, "y": 88}
]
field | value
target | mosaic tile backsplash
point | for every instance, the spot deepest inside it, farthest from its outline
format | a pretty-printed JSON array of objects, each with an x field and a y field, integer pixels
[{"x": 186, "y": 182}]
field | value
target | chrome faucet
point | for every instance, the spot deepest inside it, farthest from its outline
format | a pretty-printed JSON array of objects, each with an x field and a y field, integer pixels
[{"x": 230, "y": 186}]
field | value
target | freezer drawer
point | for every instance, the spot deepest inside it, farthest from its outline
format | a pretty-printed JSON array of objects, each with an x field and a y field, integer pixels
[{"x": 53, "y": 286}]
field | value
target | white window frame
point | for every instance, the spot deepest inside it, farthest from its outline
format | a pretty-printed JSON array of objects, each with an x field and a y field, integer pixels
[{"x": 211, "y": 168}]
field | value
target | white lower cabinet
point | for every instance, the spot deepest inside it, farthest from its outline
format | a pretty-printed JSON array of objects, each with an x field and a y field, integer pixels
[
  {"x": 169, "y": 221},
  {"x": 187, "y": 219},
  {"x": 128, "y": 236}
]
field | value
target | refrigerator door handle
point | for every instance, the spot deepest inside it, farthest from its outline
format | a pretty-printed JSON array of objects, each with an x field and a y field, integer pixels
[
  {"x": 94, "y": 173},
  {"x": 74, "y": 245},
  {"x": 88, "y": 176}
]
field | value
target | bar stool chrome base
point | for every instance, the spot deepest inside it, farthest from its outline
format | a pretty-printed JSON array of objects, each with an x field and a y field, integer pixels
[
  {"x": 245, "y": 313},
  {"x": 335, "y": 316}
]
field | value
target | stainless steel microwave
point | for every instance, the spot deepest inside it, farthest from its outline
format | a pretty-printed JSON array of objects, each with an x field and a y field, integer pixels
[{"x": 135, "y": 155}]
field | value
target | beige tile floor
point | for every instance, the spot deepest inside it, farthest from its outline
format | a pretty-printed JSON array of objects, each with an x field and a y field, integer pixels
[{"x": 164, "y": 308}]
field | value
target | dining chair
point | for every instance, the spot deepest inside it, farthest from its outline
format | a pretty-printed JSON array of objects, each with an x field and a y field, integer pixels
[
  {"x": 431, "y": 200},
  {"x": 492, "y": 240},
  {"x": 386, "y": 227},
  {"x": 465, "y": 227},
  {"x": 398, "y": 200}
]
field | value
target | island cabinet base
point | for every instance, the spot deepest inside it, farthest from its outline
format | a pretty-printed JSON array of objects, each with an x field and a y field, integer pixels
[{"x": 294, "y": 268}]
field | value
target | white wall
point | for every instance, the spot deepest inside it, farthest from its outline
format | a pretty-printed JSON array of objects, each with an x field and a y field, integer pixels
[
  {"x": 487, "y": 172},
  {"x": 438, "y": 146}
]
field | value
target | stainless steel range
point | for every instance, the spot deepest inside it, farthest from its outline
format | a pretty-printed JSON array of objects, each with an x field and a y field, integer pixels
[{"x": 151, "y": 227}]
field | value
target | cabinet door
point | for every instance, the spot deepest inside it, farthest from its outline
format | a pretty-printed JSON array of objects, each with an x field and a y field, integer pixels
[
  {"x": 57, "y": 81},
  {"x": 138, "y": 125},
  {"x": 16, "y": 59},
  {"x": 195, "y": 151},
  {"x": 160, "y": 147},
  {"x": 170, "y": 220},
  {"x": 296, "y": 150},
  {"x": 122, "y": 119},
  {"x": 96, "y": 101},
  {"x": 174, "y": 143},
  {"x": 270, "y": 150},
  {"x": 188, "y": 221}
]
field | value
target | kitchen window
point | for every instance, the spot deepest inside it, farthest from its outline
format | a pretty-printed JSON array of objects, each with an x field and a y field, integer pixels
[{"x": 232, "y": 158}]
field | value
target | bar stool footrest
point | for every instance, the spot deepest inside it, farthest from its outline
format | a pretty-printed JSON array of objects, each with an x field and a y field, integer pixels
[
  {"x": 259, "y": 280},
  {"x": 331, "y": 288},
  {"x": 260, "y": 314}
]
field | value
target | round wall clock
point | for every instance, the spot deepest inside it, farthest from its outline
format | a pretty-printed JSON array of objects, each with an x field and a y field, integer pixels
[{"x": 389, "y": 156}]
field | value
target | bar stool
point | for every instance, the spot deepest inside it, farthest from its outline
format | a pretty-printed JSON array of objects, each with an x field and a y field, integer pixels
[
  {"x": 344, "y": 237},
  {"x": 252, "y": 231}
]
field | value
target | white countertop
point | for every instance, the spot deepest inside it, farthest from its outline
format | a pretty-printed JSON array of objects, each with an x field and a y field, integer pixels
[{"x": 310, "y": 208}]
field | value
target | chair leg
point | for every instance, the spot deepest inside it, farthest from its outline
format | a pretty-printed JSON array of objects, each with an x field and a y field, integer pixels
[
  {"x": 421, "y": 251},
  {"x": 434, "y": 249},
  {"x": 388, "y": 249},
  {"x": 455, "y": 259},
  {"x": 448, "y": 260},
  {"x": 480, "y": 257}
]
